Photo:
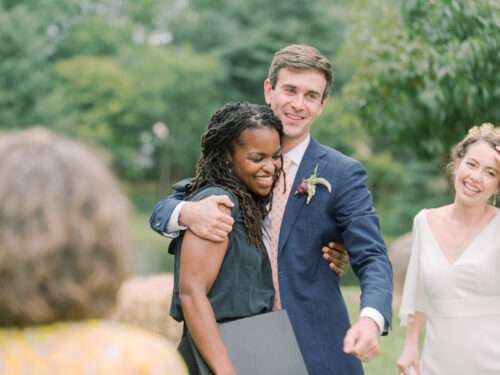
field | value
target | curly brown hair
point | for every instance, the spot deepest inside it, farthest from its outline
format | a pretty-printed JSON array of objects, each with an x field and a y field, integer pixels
[
  {"x": 214, "y": 166},
  {"x": 63, "y": 230}
]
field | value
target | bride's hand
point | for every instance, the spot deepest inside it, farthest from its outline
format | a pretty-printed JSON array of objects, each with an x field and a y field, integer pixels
[{"x": 409, "y": 362}]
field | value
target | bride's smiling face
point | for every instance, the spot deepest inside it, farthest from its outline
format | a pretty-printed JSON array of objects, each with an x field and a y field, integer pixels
[{"x": 477, "y": 174}]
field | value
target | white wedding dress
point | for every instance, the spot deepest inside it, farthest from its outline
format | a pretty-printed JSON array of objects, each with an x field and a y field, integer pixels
[{"x": 460, "y": 300}]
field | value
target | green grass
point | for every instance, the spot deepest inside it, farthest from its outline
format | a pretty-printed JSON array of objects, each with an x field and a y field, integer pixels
[
  {"x": 385, "y": 362},
  {"x": 149, "y": 248}
]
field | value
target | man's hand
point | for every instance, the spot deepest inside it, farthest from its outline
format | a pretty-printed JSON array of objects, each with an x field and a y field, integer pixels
[
  {"x": 336, "y": 254},
  {"x": 361, "y": 339},
  {"x": 207, "y": 219}
]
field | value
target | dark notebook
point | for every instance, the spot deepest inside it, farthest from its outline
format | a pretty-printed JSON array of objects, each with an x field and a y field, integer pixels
[{"x": 261, "y": 345}]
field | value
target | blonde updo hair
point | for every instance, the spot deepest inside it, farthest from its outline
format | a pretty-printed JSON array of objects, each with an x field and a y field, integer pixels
[
  {"x": 486, "y": 132},
  {"x": 63, "y": 230}
]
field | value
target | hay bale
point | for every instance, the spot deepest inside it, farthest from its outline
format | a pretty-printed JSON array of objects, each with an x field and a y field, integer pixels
[{"x": 145, "y": 301}]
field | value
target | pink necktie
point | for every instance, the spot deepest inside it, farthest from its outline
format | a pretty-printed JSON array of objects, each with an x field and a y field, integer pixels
[{"x": 280, "y": 198}]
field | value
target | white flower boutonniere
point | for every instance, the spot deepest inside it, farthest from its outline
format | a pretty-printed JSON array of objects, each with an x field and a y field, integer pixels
[{"x": 308, "y": 185}]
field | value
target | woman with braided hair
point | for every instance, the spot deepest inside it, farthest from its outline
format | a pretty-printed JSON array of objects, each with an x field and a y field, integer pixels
[{"x": 217, "y": 282}]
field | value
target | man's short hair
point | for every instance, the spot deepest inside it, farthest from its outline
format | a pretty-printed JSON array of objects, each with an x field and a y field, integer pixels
[{"x": 302, "y": 57}]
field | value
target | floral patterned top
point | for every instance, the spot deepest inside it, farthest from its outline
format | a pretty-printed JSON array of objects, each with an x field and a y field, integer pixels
[{"x": 86, "y": 348}]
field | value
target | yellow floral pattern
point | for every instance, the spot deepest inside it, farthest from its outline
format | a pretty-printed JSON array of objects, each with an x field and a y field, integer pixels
[{"x": 86, "y": 348}]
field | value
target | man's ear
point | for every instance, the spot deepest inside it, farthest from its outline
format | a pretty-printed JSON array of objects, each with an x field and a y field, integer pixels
[{"x": 268, "y": 90}]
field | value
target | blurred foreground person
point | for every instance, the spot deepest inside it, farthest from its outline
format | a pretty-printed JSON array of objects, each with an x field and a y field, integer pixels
[
  {"x": 452, "y": 283},
  {"x": 63, "y": 249}
]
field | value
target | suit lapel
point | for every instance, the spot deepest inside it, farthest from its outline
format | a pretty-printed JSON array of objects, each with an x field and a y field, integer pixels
[{"x": 296, "y": 203}]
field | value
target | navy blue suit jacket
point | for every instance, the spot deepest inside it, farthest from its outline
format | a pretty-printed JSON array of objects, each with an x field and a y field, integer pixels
[{"x": 309, "y": 290}]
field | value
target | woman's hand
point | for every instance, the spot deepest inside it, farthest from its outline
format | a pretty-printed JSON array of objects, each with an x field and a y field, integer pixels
[
  {"x": 336, "y": 255},
  {"x": 409, "y": 361}
]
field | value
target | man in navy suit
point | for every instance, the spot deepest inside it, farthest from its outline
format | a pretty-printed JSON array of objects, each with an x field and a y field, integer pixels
[{"x": 297, "y": 89}]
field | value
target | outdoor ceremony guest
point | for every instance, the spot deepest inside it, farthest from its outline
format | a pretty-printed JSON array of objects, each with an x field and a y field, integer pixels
[
  {"x": 452, "y": 283},
  {"x": 326, "y": 200},
  {"x": 63, "y": 256},
  {"x": 221, "y": 281}
]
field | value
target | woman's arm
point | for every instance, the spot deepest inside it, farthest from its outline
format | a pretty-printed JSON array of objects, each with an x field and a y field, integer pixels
[
  {"x": 200, "y": 264},
  {"x": 410, "y": 358}
]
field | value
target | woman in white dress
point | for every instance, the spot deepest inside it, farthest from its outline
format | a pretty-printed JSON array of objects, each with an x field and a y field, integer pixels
[{"x": 453, "y": 279}]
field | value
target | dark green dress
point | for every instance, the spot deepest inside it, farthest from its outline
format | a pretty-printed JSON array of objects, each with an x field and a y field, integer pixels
[{"x": 244, "y": 286}]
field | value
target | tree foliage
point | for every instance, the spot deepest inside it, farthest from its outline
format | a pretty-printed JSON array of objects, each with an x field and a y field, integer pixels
[
  {"x": 24, "y": 70},
  {"x": 92, "y": 101},
  {"x": 94, "y": 36},
  {"x": 178, "y": 87},
  {"x": 422, "y": 82},
  {"x": 246, "y": 34},
  {"x": 91, "y": 69}
]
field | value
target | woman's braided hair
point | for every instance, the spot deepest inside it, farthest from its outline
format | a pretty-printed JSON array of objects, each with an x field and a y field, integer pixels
[{"x": 215, "y": 165}]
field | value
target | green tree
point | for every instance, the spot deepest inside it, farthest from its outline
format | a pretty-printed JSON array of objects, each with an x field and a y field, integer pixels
[
  {"x": 95, "y": 36},
  {"x": 92, "y": 100},
  {"x": 24, "y": 71},
  {"x": 245, "y": 35},
  {"x": 421, "y": 83},
  {"x": 178, "y": 87}
]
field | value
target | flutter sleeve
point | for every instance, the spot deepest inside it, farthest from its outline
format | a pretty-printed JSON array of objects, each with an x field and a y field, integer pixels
[{"x": 414, "y": 298}]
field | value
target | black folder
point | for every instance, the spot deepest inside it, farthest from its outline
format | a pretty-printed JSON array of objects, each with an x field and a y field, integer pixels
[{"x": 261, "y": 345}]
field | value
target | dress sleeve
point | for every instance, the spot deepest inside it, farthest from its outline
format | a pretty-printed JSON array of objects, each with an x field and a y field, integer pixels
[{"x": 414, "y": 298}]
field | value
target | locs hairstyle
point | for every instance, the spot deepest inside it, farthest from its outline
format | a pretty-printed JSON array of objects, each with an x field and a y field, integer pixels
[{"x": 214, "y": 166}]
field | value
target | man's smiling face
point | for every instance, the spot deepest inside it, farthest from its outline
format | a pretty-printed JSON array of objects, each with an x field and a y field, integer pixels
[{"x": 297, "y": 100}]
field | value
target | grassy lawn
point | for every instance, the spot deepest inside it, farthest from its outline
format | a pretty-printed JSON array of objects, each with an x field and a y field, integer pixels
[
  {"x": 391, "y": 345},
  {"x": 149, "y": 248}
]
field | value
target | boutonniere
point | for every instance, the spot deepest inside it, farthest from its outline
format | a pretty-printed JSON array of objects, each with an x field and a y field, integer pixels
[{"x": 308, "y": 185}]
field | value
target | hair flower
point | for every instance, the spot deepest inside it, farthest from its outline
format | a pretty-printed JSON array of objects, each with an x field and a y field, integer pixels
[{"x": 308, "y": 185}]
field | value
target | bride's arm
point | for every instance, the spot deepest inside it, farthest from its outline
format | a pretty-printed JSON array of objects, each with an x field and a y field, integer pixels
[{"x": 410, "y": 358}]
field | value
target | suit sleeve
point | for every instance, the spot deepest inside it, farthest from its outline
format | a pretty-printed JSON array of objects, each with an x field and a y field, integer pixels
[
  {"x": 360, "y": 229},
  {"x": 164, "y": 208}
]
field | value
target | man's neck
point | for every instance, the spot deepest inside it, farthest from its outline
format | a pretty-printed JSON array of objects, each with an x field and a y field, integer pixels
[{"x": 290, "y": 144}]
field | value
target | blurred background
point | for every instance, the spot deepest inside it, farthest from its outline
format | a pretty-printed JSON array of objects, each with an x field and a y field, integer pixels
[{"x": 140, "y": 78}]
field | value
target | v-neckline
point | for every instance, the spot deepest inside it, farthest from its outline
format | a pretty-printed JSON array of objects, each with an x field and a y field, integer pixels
[{"x": 469, "y": 245}]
